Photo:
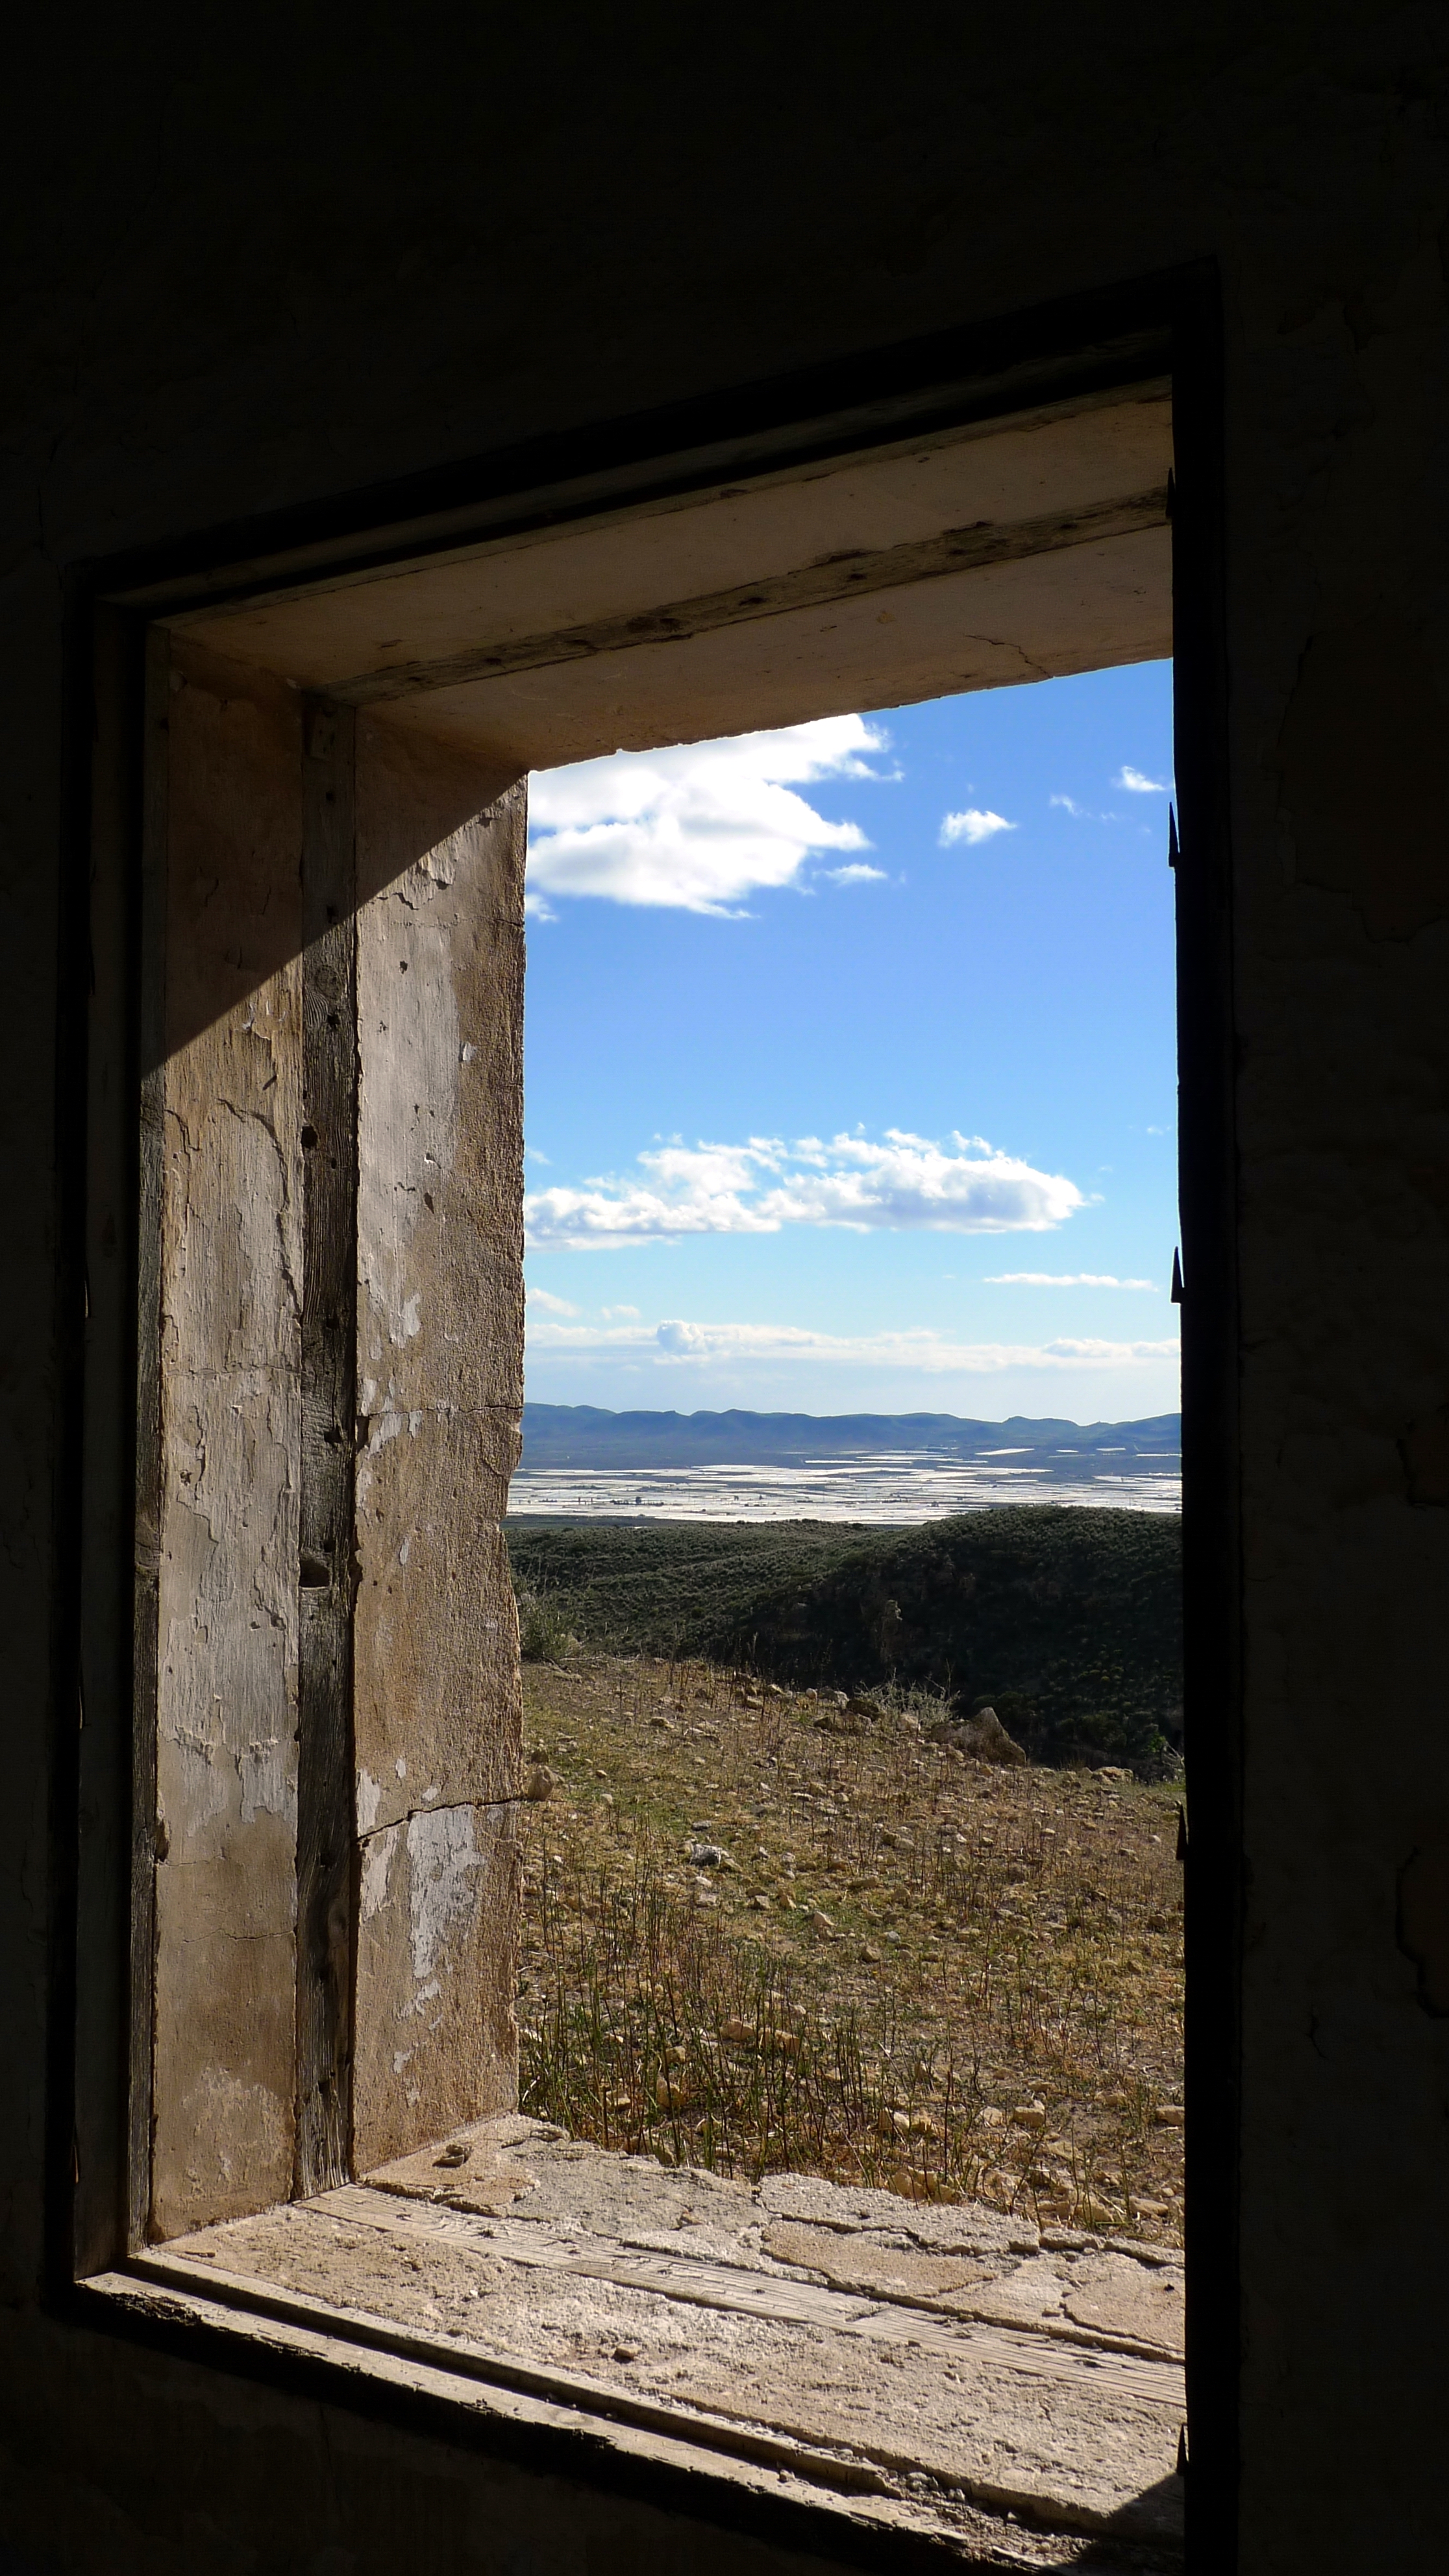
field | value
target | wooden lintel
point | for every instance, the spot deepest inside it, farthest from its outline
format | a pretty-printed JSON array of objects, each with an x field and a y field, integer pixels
[{"x": 812, "y": 585}]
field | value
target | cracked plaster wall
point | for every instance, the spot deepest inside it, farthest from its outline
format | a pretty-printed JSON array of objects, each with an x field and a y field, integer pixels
[
  {"x": 231, "y": 1267},
  {"x": 438, "y": 1708},
  {"x": 437, "y": 1711}
]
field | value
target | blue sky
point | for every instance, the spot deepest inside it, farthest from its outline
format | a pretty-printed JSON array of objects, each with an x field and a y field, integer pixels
[{"x": 849, "y": 1064}]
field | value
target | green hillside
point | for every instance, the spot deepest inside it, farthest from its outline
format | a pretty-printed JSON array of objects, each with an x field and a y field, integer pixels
[{"x": 1068, "y": 1620}]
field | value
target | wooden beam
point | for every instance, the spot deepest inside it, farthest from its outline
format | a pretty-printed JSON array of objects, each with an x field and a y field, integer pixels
[{"x": 325, "y": 1907}]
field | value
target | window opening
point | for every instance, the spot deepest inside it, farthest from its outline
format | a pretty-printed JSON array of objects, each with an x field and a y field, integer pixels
[
  {"x": 706, "y": 2090},
  {"x": 793, "y": 1898},
  {"x": 876, "y": 1951}
]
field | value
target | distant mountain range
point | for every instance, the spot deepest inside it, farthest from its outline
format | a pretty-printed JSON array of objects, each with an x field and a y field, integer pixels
[{"x": 584, "y": 1435}]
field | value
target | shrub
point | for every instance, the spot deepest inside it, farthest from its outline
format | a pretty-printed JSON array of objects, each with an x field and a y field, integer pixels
[
  {"x": 1068, "y": 1619},
  {"x": 543, "y": 1631}
]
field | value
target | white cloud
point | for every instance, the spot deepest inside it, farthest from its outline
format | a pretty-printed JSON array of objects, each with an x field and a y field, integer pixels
[
  {"x": 1096, "y": 1354},
  {"x": 1091, "y": 814},
  {"x": 611, "y": 1313},
  {"x": 697, "y": 827},
  {"x": 550, "y": 1304},
  {"x": 902, "y": 1183},
  {"x": 1064, "y": 1279},
  {"x": 1127, "y": 776},
  {"x": 856, "y": 874},
  {"x": 919, "y": 1347},
  {"x": 973, "y": 825}
]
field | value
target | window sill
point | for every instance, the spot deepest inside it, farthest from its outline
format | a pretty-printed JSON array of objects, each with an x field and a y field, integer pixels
[{"x": 918, "y": 2371}]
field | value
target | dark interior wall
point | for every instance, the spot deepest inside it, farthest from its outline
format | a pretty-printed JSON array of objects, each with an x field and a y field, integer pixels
[
  {"x": 165, "y": 2468},
  {"x": 250, "y": 276},
  {"x": 259, "y": 273}
]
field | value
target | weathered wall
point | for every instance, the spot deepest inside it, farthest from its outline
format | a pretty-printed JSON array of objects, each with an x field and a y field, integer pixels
[
  {"x": 261, "y": 2479},
  {"x": 1342, "y": 819},
  {"x": 270, "y": 276},
  {"x": 413, "y": 1178},
  {"x": 230, "y": 1314},
  {"x": 438, "y": 1709}
]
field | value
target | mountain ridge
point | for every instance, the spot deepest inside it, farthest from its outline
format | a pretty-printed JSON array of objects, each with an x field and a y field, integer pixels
[{"x": 586, "y": 1435}]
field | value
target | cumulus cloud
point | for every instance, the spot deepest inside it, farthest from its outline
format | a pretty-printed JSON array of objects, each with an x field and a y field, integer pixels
[
  {"x": 1069, "y": 803},
  {"x": 1064, "y": 1279},
  {"x": 899, "y": 1183},
  {"x": 976, "y": 824},
  {"x": 856, "y": 874},
  {"x": 1127, "y": 776},
  {"x": 549, "y": 1304},
  {"x": 678, "y": 1340},
  {"x": 698, "y": 827}
]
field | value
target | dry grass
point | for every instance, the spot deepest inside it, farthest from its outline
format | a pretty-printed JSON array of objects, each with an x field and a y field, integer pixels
[{"x": 909, "y": 1969}]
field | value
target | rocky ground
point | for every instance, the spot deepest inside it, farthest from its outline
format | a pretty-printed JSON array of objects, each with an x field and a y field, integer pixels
[{"x": 766, "y": 1933}]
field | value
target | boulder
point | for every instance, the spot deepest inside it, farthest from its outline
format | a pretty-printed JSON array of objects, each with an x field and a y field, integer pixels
[{"x": 983, "y": 1737}]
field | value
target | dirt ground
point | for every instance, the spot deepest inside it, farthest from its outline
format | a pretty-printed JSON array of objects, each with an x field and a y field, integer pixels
[{"x": 765, "y": 1933}]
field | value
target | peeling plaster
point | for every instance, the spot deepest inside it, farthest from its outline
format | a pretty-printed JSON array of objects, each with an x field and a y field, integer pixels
[
  {"x": 200, "y": 1782},
  {"x": 444, "y": 1859},
  {"x": 383, "y": 1427},
  {"x": 409, "y": 1103},
  {"x": 268, "y": 1784},
  {"x": 376, "y": 1866}
]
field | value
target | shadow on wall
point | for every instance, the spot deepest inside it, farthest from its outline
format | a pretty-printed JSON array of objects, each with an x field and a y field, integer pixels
[{"x": 238, "y": 743}]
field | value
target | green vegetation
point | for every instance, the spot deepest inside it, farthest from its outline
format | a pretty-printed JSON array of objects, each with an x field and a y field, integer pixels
[
  {"x": 754, "y": 1942},
  {"x": 1069, "y": 1622},
  {"x": 543, "y": 1631}
]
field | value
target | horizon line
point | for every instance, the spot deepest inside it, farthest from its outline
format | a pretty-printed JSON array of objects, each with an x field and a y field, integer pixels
[{"x": 865, "y": 1413}]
